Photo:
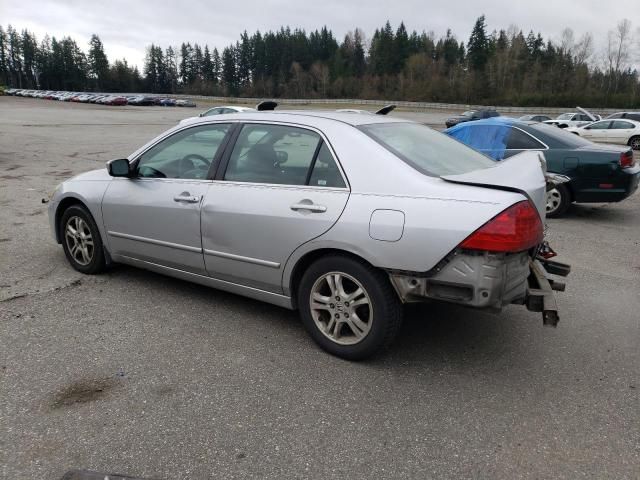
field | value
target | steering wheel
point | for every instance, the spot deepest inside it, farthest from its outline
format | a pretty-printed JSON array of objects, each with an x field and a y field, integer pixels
[{"x": 194, "y": 166}]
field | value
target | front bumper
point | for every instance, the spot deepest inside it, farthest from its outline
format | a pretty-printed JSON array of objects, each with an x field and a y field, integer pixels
[{"x": 488, "y": 281}]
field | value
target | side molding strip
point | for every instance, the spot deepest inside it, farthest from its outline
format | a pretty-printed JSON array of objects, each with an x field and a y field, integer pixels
[
  {"x": 240, "y": 258},
  {"x": 177, "y": 246}
]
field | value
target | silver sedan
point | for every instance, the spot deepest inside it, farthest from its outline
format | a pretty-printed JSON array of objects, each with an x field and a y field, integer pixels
[{"x": 342, "y": 216}]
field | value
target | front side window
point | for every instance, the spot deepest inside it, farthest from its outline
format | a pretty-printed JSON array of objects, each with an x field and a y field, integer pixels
[
  {"x": 599, "y": 126},
  {"x": 431, "y": 153},
  {"x": 283, "y": 155},
  {"x": 565, "y": 116},
  {"x": 188, "y": 154}
]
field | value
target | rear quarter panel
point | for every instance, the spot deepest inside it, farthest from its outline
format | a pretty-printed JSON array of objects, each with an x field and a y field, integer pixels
[{"x": 434, "y": 225}]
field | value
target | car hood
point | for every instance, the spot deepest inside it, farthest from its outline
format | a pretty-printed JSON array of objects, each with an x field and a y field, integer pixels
[
  {"x": 99, "y": 174},
  {"x": 524, "y": 173}
]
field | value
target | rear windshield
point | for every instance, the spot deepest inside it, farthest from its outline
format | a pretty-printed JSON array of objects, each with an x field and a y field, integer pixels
[
  {"x": 426, "y": 150},
  {"x": 558, "y": 137}
]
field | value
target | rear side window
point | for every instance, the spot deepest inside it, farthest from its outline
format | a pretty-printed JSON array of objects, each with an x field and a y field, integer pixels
[
  {"x": 325, "y": 171},
  {"x": 519, "y": 140},
  {"x": 430, "y": 152},
  {"x": 621, "y": 125},
  {"x": 283, "y": 155}
]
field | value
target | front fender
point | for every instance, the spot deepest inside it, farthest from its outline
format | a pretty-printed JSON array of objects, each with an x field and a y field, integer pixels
[{"x": 87, "y": 193}]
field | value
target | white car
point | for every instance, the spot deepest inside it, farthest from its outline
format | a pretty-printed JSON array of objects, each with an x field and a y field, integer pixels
[
  {"x": 622, "y": 132},
  {"x": 219, "y": 111},
  {"x": 576, "y": 119}
]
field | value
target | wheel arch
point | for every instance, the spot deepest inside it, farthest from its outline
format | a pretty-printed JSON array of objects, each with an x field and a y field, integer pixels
[
  {"x": 64, "y": 204},
  {"x": 300, "y": 266}
]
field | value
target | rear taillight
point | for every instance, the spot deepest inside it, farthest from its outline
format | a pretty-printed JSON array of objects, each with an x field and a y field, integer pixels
[
  {"x": 516, "y": 229},
  {"x": 626, "y": 159}
]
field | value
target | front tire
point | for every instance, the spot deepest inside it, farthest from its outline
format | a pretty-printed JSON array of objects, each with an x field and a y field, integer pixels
[
  {"x": 558, "y": 201},
  {"x": 349, "y": 308},
  {"x": 81, "y": 240}
]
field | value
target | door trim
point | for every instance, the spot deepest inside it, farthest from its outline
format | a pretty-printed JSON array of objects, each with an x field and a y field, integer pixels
[
  {"x": 241, "y": 258},
  {"x": 177, "y": 246}
]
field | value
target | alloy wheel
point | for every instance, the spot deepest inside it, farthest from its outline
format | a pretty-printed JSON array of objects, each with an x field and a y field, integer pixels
[
  {"x": 341, "y": 308},
  {"x": 635, "y": 143},
  {"x": 554, "y": 200},
  {"x": 79, "y": 240}
]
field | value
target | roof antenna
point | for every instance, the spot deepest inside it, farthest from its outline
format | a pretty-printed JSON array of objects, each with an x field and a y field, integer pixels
[{"x": 266, "y": 105}]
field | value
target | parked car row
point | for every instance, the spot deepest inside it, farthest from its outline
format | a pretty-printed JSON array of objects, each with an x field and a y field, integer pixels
[{"x": 101, "y": 98}]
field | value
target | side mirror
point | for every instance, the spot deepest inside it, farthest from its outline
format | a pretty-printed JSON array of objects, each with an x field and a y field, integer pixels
[
  {"x": 201, "y": 115},
  {"x": 119, "y": 168},
  {"x": 587, "y": 128}
]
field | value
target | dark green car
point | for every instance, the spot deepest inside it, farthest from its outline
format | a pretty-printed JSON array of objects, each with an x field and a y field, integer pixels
[{"x": 598, "y": 173}]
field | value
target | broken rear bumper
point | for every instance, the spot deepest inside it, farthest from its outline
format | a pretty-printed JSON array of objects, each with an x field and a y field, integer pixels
[
  {"x": 488, "y": 281},
  {"x": 541, "y": 286}
]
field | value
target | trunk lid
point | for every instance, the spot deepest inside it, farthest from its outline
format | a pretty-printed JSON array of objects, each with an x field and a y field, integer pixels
[{"x": 524, "y": 173}]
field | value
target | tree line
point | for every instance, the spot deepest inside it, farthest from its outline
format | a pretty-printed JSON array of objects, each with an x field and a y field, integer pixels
[{"x": 501, "y": 67}]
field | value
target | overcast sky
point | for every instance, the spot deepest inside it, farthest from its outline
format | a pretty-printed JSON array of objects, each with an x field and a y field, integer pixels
[{"x": 127, "y": 27}]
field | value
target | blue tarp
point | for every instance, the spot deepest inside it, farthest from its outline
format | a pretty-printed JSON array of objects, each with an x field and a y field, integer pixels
[{"x": 488, "y": 136}]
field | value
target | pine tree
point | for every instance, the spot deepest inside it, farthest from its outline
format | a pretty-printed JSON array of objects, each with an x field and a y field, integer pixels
[
  {"x": 229, "y": 73},
  {"x": 478, "y": 46},
  {"x": 98, "y": 63}
]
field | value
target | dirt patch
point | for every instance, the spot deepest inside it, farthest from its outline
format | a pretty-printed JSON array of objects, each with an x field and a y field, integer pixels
[
  {"x": 82, "y": 391},
  {"x": 5, "y": 240}
]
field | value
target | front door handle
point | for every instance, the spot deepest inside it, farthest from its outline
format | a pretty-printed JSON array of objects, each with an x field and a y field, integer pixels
[
  {"x": 309, "y": 207},
  {"x": 185, "y": 197}
]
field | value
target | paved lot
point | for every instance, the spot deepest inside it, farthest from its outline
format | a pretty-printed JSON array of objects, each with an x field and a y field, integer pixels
[{"x": 131, "y": 372}]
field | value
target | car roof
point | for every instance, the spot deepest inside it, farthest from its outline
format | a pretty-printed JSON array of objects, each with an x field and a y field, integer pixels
[{"x": 310, "y": 117}]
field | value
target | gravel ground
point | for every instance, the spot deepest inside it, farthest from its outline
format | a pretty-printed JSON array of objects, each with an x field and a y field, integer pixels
[{"x": 134, "y": 373}]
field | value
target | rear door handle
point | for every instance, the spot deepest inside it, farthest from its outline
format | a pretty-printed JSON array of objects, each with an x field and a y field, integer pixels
[
  {"x": 185, "y": 197},
  {"x": 309, "y": 207}
]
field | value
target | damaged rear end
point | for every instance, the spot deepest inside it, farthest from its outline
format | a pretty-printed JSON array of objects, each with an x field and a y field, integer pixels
[{"x": 506, "y": 260}]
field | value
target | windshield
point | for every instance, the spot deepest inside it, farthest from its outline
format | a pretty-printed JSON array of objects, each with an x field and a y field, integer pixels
[
  {"x": 468, "y": 113},
  {"x": 426, "y": 150},
  {"x": 565, "y": 116}
]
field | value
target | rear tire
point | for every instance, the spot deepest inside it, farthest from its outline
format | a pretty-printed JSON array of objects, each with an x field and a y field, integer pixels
[
  {"x": 349, "y": 308},
  {"x": 634, "y": 143},
  {"x": 558, "y": 201},
  {"x": 81, "y": 240}
]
